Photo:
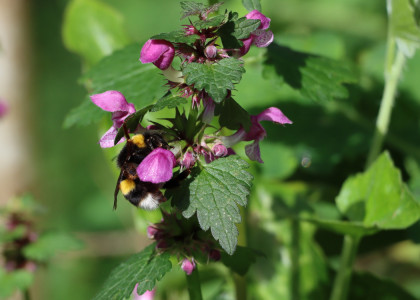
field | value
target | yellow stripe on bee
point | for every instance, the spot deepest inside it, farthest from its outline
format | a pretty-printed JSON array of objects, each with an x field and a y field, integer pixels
[
  {"x": 126, "y": 186},
  {"x": 138, "y": 140}
]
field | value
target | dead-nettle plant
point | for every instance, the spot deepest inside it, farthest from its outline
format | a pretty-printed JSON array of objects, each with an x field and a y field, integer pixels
[{"x": 188, "y": 154}]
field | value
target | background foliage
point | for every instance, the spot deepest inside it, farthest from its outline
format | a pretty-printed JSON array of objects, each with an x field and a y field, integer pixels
[{"x": 305, "y": 164}]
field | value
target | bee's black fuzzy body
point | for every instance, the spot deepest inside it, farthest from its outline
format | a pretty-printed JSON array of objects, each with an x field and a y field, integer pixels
[{"x": 141, "y": 194}]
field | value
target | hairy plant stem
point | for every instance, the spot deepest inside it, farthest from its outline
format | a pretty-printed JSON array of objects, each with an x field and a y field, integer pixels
[
  {"x": 394, "y": 64},
  {"x": 342, "y": 280},
  {"x": 392, "y": 74},
  {"x": 294, "y": 258},
  {"x": 194, "y": 286}
]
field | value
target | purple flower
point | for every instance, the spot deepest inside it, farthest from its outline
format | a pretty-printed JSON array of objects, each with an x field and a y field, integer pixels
[
  {"x": 4, "y": 108},
  {"x": 148, "y": 295},
  {"x": 159, "y": 52},
  {"x": 261, "y": 37},
  {"x": 188, "y": 265},
  {"x": 188, "y": 160},
  {"x": 256, "y": 133},
  {"x": 219, "y": 150},
  {"x": 157, "y": 166},
  {"x": 208, "y": 113},
  {"x": 210, "y": 51},
  {"x": 113, "y": 101},
  {"x": 151, "y": 232}
]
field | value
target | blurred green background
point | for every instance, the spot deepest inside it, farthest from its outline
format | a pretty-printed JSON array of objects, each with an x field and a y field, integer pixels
[{"x": 75, "y": 182}]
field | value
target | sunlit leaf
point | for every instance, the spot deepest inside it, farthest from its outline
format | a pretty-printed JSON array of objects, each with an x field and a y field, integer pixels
[
  {"x": 93, "y": 29},
  {"x": 144, "y": 269}
]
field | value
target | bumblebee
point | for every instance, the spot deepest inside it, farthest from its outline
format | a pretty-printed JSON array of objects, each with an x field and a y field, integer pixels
[{"x": 142, "y": 194}]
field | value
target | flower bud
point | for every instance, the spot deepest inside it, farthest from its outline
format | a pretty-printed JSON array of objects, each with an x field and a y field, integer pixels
[
  {"x": 4, "y": 108},
  {"x": 188, "y": 160},
  {"x": 188, "y": 265},
  {"x": 210, "y": 51},
  {"x": 147, "y": 295},
  {"x": 151, "y": 232},
  {"x": 159, "y": 52},
  {"x": 219, "y": 150}
]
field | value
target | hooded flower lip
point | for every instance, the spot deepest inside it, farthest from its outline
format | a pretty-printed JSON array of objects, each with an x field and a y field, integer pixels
[
  {"x": 261, "y": 37},
  {"x": 115, "y": 102},
  {"x": 256, "y": 133},
  {"x": 188, "y": 265},
  {"x": 157, "y": 166},
  {"x": 159, "y": 52}
]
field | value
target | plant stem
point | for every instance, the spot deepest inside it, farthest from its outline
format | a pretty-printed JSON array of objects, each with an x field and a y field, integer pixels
[
  {"x": 194, "y": 286},
  {"x": 342, "y": 280},
  {"x": 394, "y": 64},
  {"x": 392, "y": 75},
  {"x": 26, "y": 294},
  {"x": 240, "y": 281},
  {"x": 294, "y": 257}
]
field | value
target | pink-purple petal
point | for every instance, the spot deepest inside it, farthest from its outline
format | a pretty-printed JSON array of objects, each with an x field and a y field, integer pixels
[
  {"x": 112, "y": 101},
  {"x": 263, "y": 38},
  {"x": 107, "y": 140},
  {"x": 273, "y": 114},
  {"x": 157, "y": 166},
  {"x": 147, "y": 295},
  {"x": 253, "y": 151},
  {"x": 235, "y": 138},
  {"x": 247, "y": 45},
  {"x": 188, "y": 265},
  {"x": 208, "y": 113},
  {"x": 159, "y": 52},
  {"x": 4, "y": 108},
  {"x": 256, "y": 15}
]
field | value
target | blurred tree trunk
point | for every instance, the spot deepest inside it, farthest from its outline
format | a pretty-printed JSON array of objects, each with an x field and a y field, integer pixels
[{"x": 15, "y": 72}]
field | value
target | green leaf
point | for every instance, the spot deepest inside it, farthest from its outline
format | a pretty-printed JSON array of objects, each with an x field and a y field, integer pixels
[
  {"x": 12, "y": 281},
  {"x": 250, "y": 5},
  {"x": 316, "y": 77},
  {"x": 232, "y": 115},
  {"x": 191, "y": 8},
  {"x": 368, "y": 286},
  {"x": 207, "y": 23},
  {"x": 121, "y": 71},
  {"x": 168, "y": 101},
  {"x": 216, "y": 79},
  {"x": 18, "y": 232},
  {"x": 176, "y": 36},
  {"x": 84, "y": 114},
  {"x": 93, "y": 29},
  {"x": 214, "y": 192},
  {"x": 241, "y": 260},
  {"x": 235, "y": 29},
  {"x": 342, "y": 227},
  {"x": 50, "y": 244},
  {"x": 404, "y": 25},
  {"x": 378, "y": 197},
  {"x": 131, "y": 122},
  {"x": 144, "y": 268}
]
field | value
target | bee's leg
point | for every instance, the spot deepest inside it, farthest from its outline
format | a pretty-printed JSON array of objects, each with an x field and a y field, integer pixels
[
  {"x": 175, "y": 181},
  {"x": 117, "y": 189}
]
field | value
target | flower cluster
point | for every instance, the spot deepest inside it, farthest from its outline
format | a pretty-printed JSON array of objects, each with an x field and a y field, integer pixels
[
  {"x": 13, "y": 249},
  {"x": 186, "y": 241},
  {"x": 202, "y": 48},
  {"x": 205, "y": 42}
]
